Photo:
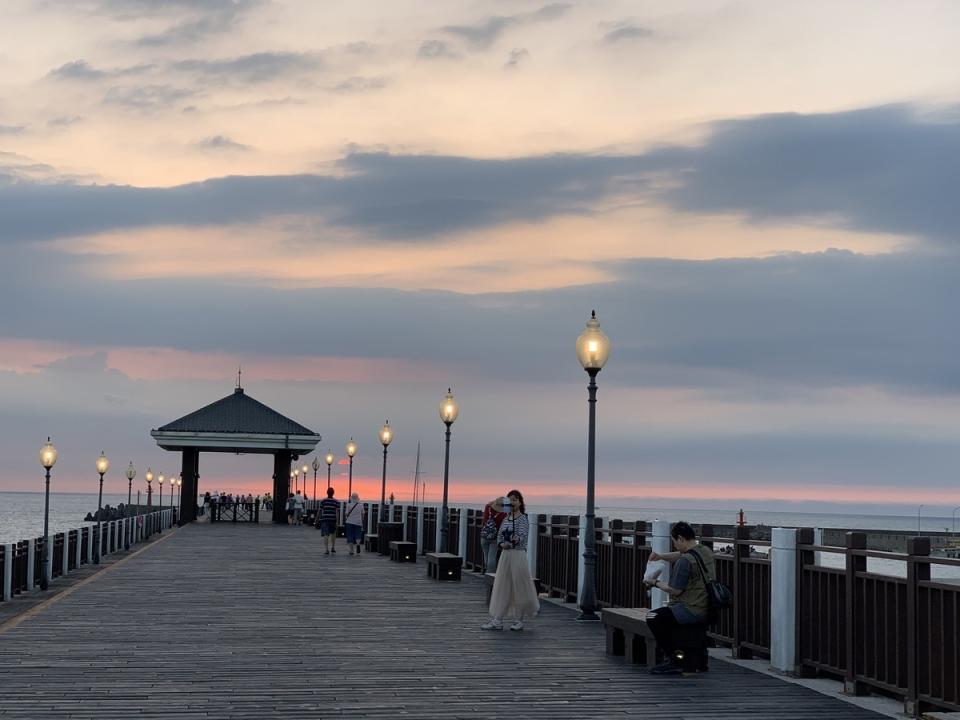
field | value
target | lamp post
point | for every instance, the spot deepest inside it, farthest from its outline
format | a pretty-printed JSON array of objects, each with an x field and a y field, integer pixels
[
  {"x": 149, "y": 477},
  {"x": 386, "y": 437},
  {"x": 102, "y": 465},
  {"x": 316, "y": 466},
  {"x": 131, "y": 474},
  {"x": 593, "y": 349},
  {"x": 351, "y": 451},
  {"x": 449, "y": 410},
  {"x": 48, "y": 456},
  {"x": 179, "y": 491},
  {"x": 304, "y": 469},
  {"x": 293, "y": 476},
  {"x": 160, "y": 480},
  {"x": 329, "y": 459}
]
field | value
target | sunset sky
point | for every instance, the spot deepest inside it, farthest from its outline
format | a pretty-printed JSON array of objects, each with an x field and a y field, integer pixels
[{"x": 364, "y": 203}]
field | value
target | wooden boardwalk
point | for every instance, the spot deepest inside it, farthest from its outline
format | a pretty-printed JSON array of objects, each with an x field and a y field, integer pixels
[{"x": 240, "y": 621}]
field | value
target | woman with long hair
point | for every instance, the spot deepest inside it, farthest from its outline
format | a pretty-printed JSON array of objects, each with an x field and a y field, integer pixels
[{"x": 514, "y": 595}]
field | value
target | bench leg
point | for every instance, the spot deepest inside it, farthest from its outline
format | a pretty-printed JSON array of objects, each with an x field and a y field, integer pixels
[
  {"x": 628, "y": 646},
  {"x": 614, "y": 641},
  {"x": 650, "y": 651}
]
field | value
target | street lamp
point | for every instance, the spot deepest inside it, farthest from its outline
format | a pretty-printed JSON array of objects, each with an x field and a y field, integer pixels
[
  {"x": 351, "y": 451},
  {"x": 449, "y": 410},
  {"x": 179, "y": 491},
  {"x": 293, "y": 476},
  {"x": 593, "y": 349},
  {"x": 316, "y": 466},
  {"x": 149, "y": 477},
  {"x": 102, "y": 465},
  {"x": 386, "y": 437},
  {"x": 304, "y": 469},
  {"x": 329, "y": 459},
  {"x": 160, "y": 480},
  {"x": 131, "y": 474},
  {"x": 48, "y": 456}
]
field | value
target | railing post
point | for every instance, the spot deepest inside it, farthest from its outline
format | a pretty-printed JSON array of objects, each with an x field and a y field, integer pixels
[
  {"x": 660, "y": 543},
  {"x": 90, "y": 530},
  {"x": 532, "y": 543},
  {"x": 79, "y": 550},
  {"x": 31, "y": 552},
  {"x": 783, "y": 600},
  {"x": 66, "y": 552},
  {"x": 741, "y": 552},
  {"x": 7, "y": 572},
  {"x": 47, "y": 570},
  {"x": 581, "y": 549},
  {"x": 438, "y": 526},
  {"x": 917, "y": 572},
  {"x": 420, "y": 530},
  {"x": 818, "y": 540},
  {"x": 855, "y": 564},
  {"x": 805, "y": 536},
  {"x": 462, "y": 535}
]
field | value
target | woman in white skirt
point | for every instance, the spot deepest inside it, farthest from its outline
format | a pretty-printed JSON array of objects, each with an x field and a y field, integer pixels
[{"x": 514, "y": 595}]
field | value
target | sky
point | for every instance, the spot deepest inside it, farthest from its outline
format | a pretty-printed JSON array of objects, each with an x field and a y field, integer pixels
[{"x": 365, "y": 203}]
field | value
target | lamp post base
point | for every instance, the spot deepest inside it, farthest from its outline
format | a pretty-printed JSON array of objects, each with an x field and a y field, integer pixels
[{"x": 590, "y": 616}]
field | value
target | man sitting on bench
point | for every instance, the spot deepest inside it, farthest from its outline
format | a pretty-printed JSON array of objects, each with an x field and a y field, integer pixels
[{"x": 680, "y": 627}]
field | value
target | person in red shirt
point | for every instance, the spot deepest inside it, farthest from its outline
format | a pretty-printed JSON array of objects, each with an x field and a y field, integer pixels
[{"x": 493, "y": 515}]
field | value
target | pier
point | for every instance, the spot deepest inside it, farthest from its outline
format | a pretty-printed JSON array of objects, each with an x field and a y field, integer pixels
[{"x": 234, "y": 620}]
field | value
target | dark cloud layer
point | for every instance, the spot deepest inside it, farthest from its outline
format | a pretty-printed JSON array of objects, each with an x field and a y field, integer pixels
[
  {"x": 254, "y": 68},
  {"x": 880, "y": 170},
  {"x": 483, "y": 34}
]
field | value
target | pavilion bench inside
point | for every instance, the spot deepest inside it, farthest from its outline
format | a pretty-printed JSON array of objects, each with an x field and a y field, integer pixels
[
  {"x": 444, "y": 566},
  {"x": 403, "y": 551}
]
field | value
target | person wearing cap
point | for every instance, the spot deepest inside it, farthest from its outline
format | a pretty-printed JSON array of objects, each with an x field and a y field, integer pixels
[{"x": 514, "y": 596}]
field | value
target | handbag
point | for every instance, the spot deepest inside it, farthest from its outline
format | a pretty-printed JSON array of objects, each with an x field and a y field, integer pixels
[{"x": 719, "y": 595}]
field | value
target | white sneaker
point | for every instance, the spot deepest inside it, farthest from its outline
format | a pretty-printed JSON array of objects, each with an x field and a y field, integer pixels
[
  {"x": 492, "y": 625},
  {"x": 518, "y": 625}
]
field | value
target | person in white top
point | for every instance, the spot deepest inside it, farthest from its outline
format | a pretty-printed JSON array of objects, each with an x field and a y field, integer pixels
[
  {"x": 353, "y": 523},
  {"x": 298, "y": 509}
]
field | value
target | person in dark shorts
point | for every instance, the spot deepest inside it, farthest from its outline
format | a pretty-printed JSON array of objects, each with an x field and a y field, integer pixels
[{"x": 329, "y": 507}]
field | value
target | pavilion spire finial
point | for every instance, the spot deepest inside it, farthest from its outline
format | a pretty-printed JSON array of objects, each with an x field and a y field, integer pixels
[{"x": 239, "y": 374}]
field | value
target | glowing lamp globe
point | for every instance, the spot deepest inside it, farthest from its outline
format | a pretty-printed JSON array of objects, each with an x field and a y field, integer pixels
[
  {"x": 386, "y": 434},
  {"x": 449, "y": 409},
  {"x": 593, "y": 346},
  {"x": 102, "y": 463},
  {"x": 48, "y": 455}
]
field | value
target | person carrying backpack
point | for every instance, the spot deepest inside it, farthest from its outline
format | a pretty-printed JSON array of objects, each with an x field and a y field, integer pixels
[
  {"x": 489, "y": 529},
  {"x": 689, "y": 609}
]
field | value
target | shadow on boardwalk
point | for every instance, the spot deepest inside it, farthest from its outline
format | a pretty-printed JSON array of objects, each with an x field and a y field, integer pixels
[{"x": 228, "y": 621}]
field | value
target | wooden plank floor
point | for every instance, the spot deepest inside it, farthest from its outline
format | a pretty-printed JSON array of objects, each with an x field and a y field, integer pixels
[{"x": 239, "y": 621}]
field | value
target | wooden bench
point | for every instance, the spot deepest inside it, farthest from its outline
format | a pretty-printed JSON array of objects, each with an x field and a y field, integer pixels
[
  {"x": 628, "y": 635},
  {"x": 444, "y": 566},
  {"x": 403, "y": 551},
  {"x": 370, "y": 543}
]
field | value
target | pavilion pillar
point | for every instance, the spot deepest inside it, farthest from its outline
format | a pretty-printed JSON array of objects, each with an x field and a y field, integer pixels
[
  {"x": 188, "y": 492},
  {"x": 281, "y": 485}
]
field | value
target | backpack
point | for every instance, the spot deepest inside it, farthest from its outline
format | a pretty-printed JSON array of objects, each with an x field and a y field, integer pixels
[
  {"x": 719, "y": 595},
  {"x": 489, "y": 529}
]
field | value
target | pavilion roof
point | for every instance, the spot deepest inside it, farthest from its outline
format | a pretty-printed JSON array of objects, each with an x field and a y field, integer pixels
[{"x": 237, "y": 413}]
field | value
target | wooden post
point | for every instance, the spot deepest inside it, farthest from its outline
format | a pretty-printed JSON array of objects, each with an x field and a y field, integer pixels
[
  {"x": 462, "y": 535},
  {"x": 855, "y": 564},
  {"x": 917, "y": 572},
  {"x": 740, "y": 553},
  {"x": 65, "y": 567},
  {"x": 79, "y": 546},
  {"x": 189, "y": 466},
  {"x": 31, "y": 545},
  {"x": 420, "y": 534},
  {"x": 7, "y": 572},
  {"x": 532, "y": 543},
  {"x": 783, "y": 600},
  {"x": 805, "y": 536}
]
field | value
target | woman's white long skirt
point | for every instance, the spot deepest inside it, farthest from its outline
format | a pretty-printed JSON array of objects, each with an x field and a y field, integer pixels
[{"x": 514, "y": 595}]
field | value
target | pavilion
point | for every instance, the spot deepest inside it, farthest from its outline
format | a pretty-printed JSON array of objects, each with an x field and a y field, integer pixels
[{"x": 235, "y": 424}]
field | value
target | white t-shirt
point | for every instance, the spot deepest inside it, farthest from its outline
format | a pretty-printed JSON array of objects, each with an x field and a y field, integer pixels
[{"x": 354, "y": 513}]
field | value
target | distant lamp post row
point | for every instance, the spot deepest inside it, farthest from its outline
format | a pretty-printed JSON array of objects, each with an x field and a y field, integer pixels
[
  {"x": 593, "y": 349},
  {"x": 131, "y": 474},
  {"x": 149, "y": 477},
  {"x": 48, "y": 457}
]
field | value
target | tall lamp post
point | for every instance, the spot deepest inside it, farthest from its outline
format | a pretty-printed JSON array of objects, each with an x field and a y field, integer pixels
[
  {"x": 294, "y": 477},
  {"x": 131, "y": 474},
  {"x": 329, "y": 459},
  {"x": 160, "y": 480},
  {"x": 316, "y": 466},
  {"x": 449, "y": 410},
  {"x": 351, "y": 451},
  {"x": 304, "y": 469},
  {"x": 179, "y": 492},
  {"x": 48, "y": 456},
  {"x": 386, "y": 437},
  {"x": 149, "y": 477},
  {"x": 102, "y": 465},
  {"x": 593, "y": 349}
]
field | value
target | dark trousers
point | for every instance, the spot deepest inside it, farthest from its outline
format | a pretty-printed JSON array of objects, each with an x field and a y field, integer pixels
[{"x": 671, "y": 637}]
